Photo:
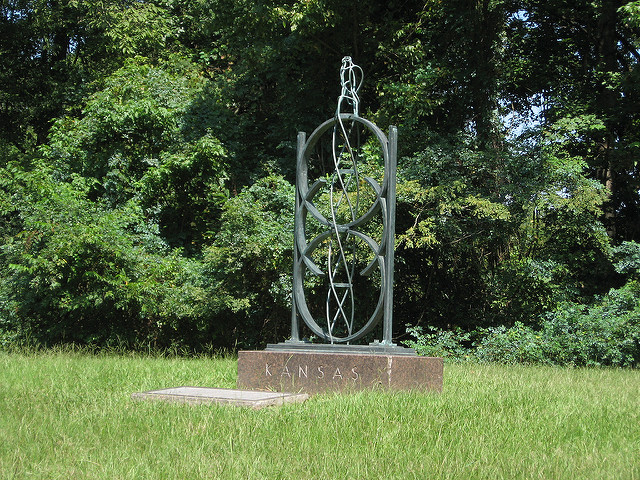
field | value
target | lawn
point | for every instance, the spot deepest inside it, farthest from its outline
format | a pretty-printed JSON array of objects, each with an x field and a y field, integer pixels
[{"x": 69, "y": 415}]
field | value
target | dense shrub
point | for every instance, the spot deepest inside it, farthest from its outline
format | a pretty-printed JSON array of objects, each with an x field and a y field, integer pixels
[
  {"x": 74, "y": 272},
  {"x": 604, "y": 334},
  {"x": 607, "y": 333},
  {"x": 452, "y": 345},
  {"x": 248, "y": 268}
]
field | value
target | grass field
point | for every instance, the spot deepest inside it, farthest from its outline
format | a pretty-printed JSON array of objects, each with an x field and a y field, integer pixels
[{"x": 66, "y": 415}]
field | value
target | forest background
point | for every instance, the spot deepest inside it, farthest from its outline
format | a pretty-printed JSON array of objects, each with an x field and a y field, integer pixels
[{"x": 147, "y": 154}]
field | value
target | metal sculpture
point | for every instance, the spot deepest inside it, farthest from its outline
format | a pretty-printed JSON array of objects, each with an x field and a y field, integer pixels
[{"x": 344, "y": 225}]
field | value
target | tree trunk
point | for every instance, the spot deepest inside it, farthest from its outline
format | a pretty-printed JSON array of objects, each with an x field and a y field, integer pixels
[
  {"x": 606, "y": 101},
  {"x": 486, "y": 22}
]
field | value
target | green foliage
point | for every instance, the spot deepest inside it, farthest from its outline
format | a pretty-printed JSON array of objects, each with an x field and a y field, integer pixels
[
  {"x": 454, "y": 227},
  {"x": 132, "y": 28},
  {"x": 140, "y": 138},
  {"x": 164, "y": 130},
  {"x": 77, "y": 273},
  {"x": 627, "y": 259},
  {"x": 452, "y": 345},
  {"x": 248, "y": 267},
  {"x": 523, "y": 288},
  {"x": 606, "y": 333},
  {"x": 494, "y": 238}
]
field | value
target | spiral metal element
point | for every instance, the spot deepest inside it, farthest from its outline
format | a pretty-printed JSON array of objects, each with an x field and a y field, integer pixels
[{"x": 350, "y": 80}]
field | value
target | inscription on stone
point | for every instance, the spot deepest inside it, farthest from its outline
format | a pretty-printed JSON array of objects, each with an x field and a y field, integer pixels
[{"x": 302, "y": 371}]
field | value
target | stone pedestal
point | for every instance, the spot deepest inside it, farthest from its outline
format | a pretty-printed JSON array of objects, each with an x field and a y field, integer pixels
[{"x": 312, "y": 372}]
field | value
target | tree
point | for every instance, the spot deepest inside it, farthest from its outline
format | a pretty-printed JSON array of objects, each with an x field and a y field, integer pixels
[
  {"x": 142, "y": 137},
  {"x": 53, "y": 50},
  {"x": 183, "y": 115},
  {"x": 580, "y": 61}
]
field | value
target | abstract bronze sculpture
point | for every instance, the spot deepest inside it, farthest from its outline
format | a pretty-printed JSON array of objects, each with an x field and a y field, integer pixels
[{"x": 344, "y": 227}]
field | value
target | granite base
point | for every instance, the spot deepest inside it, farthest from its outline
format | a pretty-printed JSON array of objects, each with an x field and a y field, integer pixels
[{"x": 312, "y": 372}]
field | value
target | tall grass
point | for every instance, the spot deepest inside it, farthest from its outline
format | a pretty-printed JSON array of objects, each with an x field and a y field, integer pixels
[{"x": 69, "y": 415}]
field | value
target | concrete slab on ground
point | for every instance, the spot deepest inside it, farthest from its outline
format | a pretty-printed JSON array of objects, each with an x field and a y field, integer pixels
[{"x": 224, "y": 396}]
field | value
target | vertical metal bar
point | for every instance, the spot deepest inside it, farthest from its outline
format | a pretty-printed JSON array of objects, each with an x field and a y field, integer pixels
[
  {"x": 295, "y": 332},
  {"x": 387, "y": 336}
]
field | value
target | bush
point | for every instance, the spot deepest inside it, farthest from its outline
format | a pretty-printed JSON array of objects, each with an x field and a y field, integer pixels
[
  {"x": 518, "y": 344},
  {"x": 605, "y": 334},
  {"x": 449, "y": 344},
  {"x": 74, "y": 272},
  {"x": 248, "y": 268}
]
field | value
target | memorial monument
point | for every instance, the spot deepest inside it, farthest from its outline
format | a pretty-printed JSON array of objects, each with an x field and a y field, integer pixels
[{"x": 343, "y": 265}]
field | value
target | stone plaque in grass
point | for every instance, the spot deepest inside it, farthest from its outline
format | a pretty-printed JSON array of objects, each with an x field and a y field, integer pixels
[{"x": 224, "y": 396}]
